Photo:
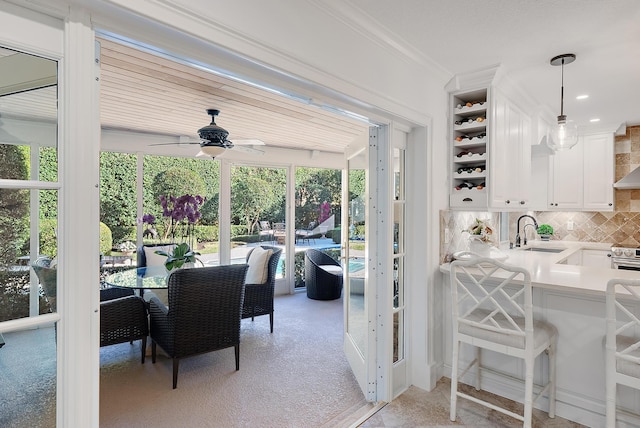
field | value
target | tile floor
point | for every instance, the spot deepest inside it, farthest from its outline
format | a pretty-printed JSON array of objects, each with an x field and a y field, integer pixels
[{"x": 419, "y": 408}]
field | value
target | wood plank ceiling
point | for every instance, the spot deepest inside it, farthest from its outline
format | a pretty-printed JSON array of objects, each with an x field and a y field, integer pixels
[{"x": 147, "y": 93}]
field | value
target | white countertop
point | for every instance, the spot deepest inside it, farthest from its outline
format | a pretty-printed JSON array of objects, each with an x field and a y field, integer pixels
[{"x": 548, "y": 271}]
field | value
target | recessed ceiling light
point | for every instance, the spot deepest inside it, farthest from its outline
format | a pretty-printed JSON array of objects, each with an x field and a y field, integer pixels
[
  {"x": 582, "y": 97},
  {"x": 594, "y": 120}
]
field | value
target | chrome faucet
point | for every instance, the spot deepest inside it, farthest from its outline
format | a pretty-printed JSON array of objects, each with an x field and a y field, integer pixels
[
  {"x": 535, "y": 223},
  {"x": 524, "y": 233}
]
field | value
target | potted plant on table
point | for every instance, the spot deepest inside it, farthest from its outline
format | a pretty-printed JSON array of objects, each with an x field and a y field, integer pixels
[
  {"x": 480, "y": 237},
  {"x": 545, "y": 231},
  {"x": 181, "y": 255}
]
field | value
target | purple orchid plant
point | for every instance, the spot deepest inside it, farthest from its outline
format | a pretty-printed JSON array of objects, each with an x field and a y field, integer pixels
[{"x": 182, "y": 213}]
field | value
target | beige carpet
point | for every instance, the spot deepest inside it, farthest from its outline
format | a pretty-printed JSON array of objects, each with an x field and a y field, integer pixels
[{"x": 296, "y": 377}]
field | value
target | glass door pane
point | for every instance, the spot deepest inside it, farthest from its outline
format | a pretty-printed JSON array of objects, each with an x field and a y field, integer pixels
[
  {"x": 355, "y": 269},
  {"x": 398, "y": 254}
]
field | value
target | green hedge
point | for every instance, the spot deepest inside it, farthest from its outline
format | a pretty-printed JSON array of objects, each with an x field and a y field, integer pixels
[
  {"x": 249, "y": 239},
  {"x": 14, "y": 297}
]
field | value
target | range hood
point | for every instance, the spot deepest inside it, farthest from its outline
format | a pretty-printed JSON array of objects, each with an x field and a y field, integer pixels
[{"x": 629, "y": 181}]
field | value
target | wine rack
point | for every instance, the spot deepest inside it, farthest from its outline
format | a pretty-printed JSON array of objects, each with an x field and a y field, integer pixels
[{"x": 469, "y": 121}]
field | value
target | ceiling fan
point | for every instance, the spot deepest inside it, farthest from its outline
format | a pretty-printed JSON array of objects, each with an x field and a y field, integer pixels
[{"x": 213, "y": 140}]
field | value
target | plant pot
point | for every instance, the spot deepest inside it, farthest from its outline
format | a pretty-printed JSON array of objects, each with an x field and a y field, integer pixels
[
  {"x": 479, "y": 247},
  {"x": 545, "y": 237}
]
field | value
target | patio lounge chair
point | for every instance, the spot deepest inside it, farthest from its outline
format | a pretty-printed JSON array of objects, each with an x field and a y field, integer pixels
[
  {"x": 322, "y": 276},
  {"x": 258, "y": 297},
  {"x": 306, "y": 234},
  {"x": 203, "y": 315}
]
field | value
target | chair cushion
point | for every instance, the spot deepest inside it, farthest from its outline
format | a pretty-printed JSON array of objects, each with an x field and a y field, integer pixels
[
  {"x": 258, "y": 272},
  {"x": 333, "y": 269},
  {"x": 154, "y": 259},
  {"x": 626, "y": 367},
  {"x": 542, "y": 330}
]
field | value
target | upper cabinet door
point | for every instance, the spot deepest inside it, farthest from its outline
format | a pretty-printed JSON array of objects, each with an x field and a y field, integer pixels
[
  {"x": 599, "y": 165},
  {"x": 566, "y": 181},
  {"x": 510, "y": 158}
]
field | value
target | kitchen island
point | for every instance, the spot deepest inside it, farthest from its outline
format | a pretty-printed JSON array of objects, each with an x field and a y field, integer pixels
[{"x": 569, "y": 291}]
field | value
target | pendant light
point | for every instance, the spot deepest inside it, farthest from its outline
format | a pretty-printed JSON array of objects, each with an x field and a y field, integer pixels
[{"x": 564, "y": 135}]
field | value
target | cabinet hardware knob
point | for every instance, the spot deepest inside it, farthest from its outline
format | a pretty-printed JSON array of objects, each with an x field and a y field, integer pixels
[
  {"x": 521, "y": 202},
  {"x": 507, "y": 201},
  {"x": 610, "y": 204}
]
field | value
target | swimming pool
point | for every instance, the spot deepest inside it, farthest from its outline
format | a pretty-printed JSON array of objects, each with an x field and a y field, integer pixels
[{"x": 355, "y": 264}]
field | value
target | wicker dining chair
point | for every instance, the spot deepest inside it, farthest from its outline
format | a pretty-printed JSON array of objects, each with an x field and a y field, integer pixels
[
  {"x": 123, "y": 318},
  {"x": 205, "y": 305},
  {"x": 258, "y": 298}
]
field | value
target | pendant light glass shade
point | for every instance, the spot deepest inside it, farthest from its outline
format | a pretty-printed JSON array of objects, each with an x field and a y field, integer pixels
[{"x": 564, "y": 135}]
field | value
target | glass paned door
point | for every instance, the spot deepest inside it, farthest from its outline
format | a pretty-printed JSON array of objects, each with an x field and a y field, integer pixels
[
  {"x": 29, "y": 200},
  {"x": 359, "y": 338}
]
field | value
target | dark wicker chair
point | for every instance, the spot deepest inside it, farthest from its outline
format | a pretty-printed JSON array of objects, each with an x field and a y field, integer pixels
[
  {"x": 258, "y": 298},
  {"x": 321, "y": 284},
  {"x": 204, "y": 311},
  {"x": 123, "y": 318}
]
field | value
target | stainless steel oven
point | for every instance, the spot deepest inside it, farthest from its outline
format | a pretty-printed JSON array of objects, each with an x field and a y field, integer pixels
[{"x": 625, "y": 258}]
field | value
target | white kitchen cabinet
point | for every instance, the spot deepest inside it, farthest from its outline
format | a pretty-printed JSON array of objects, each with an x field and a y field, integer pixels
[
  {"x": 509, "y": 156},
  {"x": 599, "y": 172},
  {"x": 581, "y": 178},
  {"x": 565, "y": 191}
]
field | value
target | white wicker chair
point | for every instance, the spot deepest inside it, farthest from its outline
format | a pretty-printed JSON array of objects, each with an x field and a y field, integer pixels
[
  {"x": 493, "y": 309},
  {"x": 622, "y": 354}
]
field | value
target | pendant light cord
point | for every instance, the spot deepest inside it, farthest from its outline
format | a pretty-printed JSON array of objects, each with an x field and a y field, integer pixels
[{"x": 562, "y": 89}]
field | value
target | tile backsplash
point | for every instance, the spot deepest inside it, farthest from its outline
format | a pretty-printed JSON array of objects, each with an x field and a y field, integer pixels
[{"x": 621, "y": 226}]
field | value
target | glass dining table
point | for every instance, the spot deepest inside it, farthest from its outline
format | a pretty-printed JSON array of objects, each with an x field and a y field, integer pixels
[{"x": 142, "y": 278}]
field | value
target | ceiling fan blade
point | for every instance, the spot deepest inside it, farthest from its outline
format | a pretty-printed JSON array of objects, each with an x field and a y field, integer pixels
[
  {"x": 182, "y": 140},
  {"x": 249, "y": 142},
  {"x": 247, "y": 149}
]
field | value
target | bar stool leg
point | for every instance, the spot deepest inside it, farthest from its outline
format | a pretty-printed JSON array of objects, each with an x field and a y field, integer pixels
[
  {"x": 454, "y": 379},
  {"x": 552, "y": 380},
  {"x": 478, "y": 365}
]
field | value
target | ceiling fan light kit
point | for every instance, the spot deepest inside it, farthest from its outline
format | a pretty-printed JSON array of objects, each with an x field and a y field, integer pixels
[
  {"x": 564, "y": 134},
  {"x": 214, "y": 137}
]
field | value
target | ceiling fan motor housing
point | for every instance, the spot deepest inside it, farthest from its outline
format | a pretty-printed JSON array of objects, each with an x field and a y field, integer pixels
[{"x": 213, "y": 134}]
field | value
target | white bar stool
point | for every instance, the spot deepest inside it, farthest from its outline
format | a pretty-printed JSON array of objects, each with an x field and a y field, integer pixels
[
  {"x": 493, "y": 309},
  {"x": 622, "y": 353}
]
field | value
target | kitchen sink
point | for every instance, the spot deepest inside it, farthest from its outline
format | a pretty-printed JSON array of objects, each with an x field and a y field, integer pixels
[{"x": 544, "y": 250}]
